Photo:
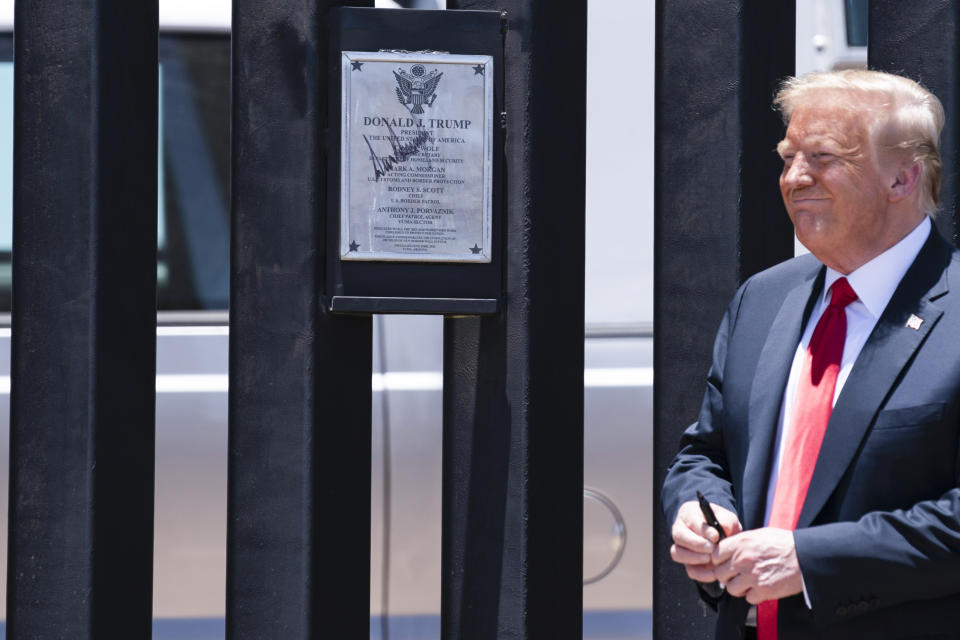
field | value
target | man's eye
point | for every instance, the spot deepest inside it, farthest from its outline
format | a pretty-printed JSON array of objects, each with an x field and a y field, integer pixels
[{"x": 822, "y": 155}]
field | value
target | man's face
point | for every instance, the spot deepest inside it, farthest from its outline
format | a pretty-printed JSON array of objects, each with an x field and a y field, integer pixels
[{"x": 835, "y": 184}]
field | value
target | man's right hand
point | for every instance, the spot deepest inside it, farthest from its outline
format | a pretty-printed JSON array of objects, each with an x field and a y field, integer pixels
[{"x": 694, "y": 539}]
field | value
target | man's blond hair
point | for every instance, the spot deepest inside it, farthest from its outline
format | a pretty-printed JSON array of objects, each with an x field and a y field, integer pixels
[{"x": 906, "y": 117}]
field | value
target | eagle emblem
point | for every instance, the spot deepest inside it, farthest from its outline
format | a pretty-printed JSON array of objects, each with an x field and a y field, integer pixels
[{"x": 417, "y": 88}]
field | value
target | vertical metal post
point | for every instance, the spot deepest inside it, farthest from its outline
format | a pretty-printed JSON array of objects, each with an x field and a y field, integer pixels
[
  {"x": 922, "y": 44},
  {"x": 299, "y": 426},
  {"x": 513, "y": 384},
  {"x": 718, "y": 218},
  {"x": 84, "y": 318}
]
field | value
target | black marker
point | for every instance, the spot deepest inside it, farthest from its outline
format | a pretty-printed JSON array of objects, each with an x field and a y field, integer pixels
[{"x": 709, "y": 516}]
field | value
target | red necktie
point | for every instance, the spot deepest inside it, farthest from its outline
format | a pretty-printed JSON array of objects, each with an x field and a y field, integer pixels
[{"x": 812, "y": 406}]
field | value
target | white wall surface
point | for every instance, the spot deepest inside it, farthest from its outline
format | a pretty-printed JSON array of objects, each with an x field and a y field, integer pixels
[{"x": 619, "y": 233}]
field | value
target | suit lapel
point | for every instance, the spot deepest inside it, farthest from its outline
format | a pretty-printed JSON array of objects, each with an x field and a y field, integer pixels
[
  {"x": 889, "y": 348},
  {"x": 766, "y": 392}
]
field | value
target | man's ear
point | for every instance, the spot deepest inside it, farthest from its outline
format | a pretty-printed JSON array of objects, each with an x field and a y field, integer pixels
[{"x": 905, "y": 181}]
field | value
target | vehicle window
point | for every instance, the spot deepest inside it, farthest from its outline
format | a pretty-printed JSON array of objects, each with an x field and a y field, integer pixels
[
  {"x": 193, "y": 242},
  {"x": 856, "y": 14},
  {"x": 194, "y": 148},
  {"x": 6, "y": 167}
]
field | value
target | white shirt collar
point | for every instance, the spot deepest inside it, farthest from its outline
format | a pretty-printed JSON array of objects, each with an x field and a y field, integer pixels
[{"x": 875, "y": 281}]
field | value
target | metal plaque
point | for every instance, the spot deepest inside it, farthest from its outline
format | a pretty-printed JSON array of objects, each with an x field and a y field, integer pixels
[{"x": 416, "y": 157}]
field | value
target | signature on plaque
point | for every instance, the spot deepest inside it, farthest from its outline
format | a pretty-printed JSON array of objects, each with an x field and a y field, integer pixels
[{"x": 401, "y": 152}]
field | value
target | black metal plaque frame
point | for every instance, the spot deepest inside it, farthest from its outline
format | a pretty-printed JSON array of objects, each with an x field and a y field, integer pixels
[{"x": 412, "y": 287}]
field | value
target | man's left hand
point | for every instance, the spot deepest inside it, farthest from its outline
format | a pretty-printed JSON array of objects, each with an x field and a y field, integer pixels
[{"x": 760, "y": 564}]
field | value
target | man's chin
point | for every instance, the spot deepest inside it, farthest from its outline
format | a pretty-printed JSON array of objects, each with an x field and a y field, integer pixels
[{"x": 814, "y": 240}]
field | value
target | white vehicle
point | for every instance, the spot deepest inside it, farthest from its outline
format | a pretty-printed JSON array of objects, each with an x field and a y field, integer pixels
[
  {"x": 831, "y": 34},
  {"x": 192, "y": 338}
]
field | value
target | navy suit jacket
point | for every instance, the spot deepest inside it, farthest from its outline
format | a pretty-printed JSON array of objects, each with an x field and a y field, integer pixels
[{"x": 879, "y": 534}]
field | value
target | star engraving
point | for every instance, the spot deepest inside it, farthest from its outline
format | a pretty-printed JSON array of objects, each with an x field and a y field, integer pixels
[
  {"x": 478, "y": 70},
  {"x": 356, "y": 65},
  {"x": 475, "y": 248},
  {"x": 353, "y": 245}
]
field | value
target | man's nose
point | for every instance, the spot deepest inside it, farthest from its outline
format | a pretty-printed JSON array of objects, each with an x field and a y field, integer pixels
[{"x": 798, "y": 173}]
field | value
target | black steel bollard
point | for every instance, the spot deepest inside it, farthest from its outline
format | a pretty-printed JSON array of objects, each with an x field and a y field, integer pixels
[
  {"x": 718, "y": 219},
  {"x": 84, "y": 320},
  {"x": 513, "y": 383},
  {"x": 922, "y": 44},
  {"x": 299, "y": 426}
]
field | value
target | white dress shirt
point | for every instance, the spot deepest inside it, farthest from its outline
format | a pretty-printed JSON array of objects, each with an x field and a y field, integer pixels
[{"x": 874, "y": 284}]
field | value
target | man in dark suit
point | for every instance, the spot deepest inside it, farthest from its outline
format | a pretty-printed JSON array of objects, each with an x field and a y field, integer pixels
[{"x": 828, "y": 442}]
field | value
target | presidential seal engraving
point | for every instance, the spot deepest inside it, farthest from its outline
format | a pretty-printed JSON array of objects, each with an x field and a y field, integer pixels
[{"x": 415, "y": 89}]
